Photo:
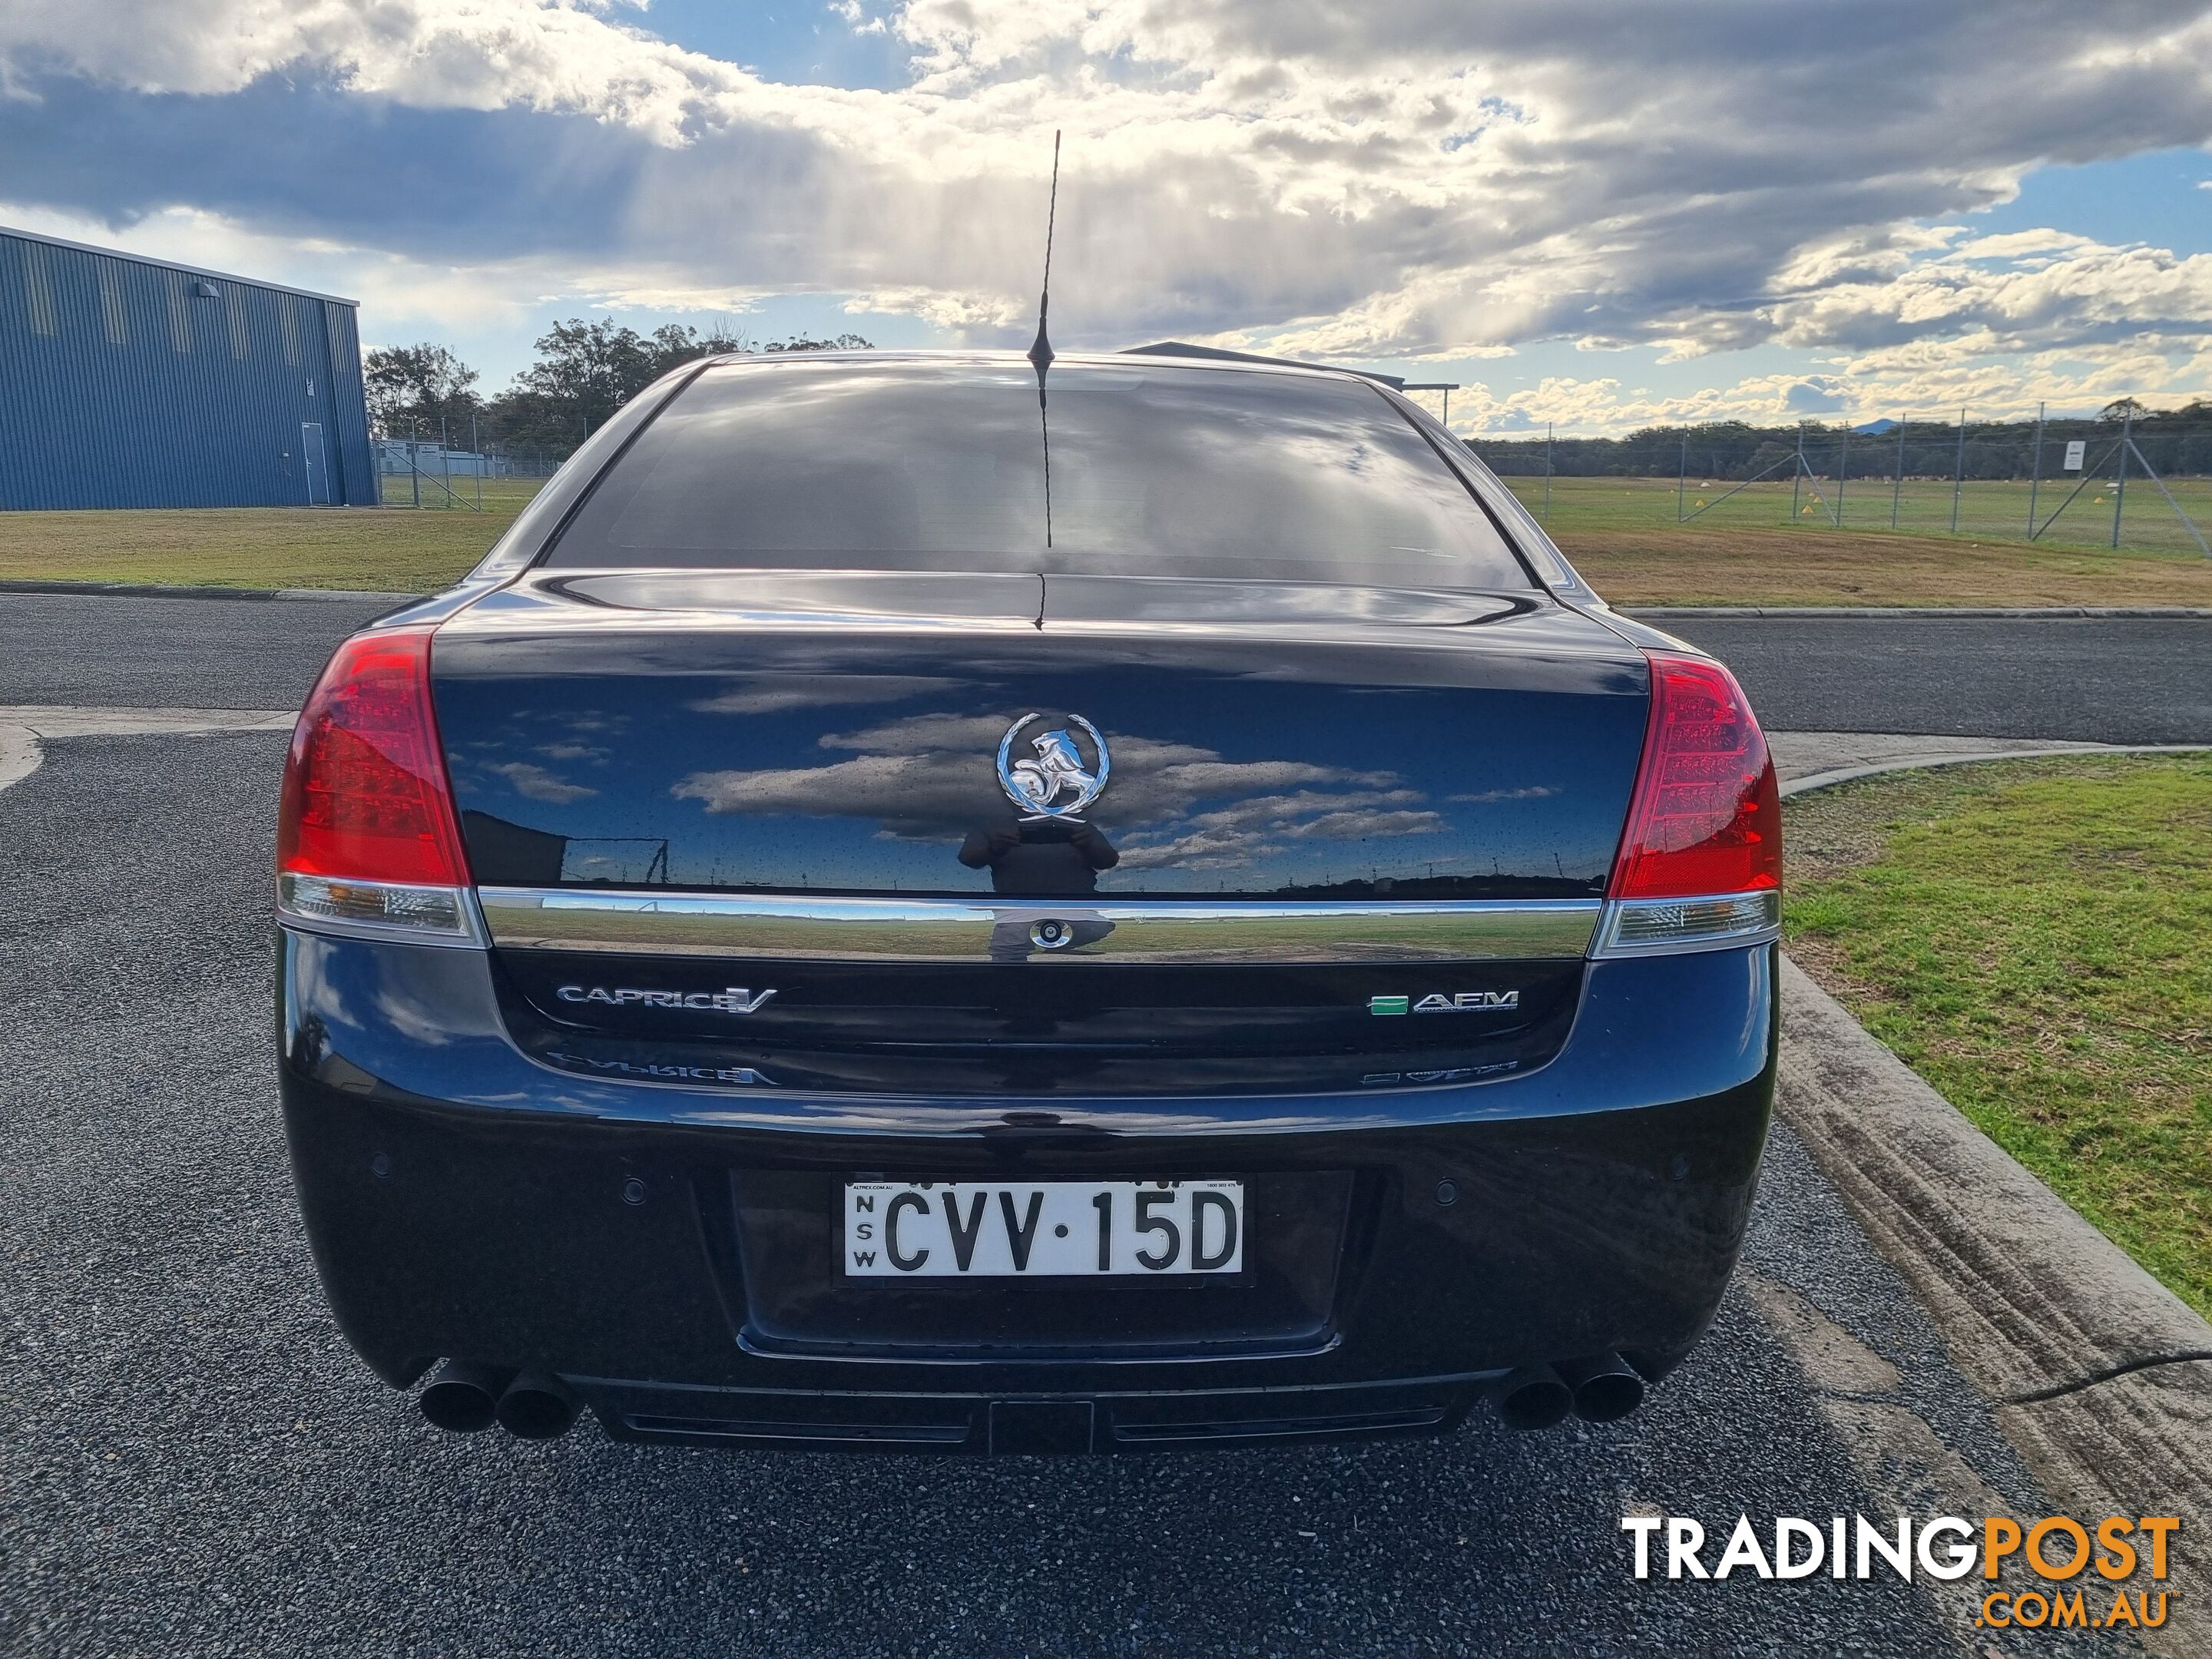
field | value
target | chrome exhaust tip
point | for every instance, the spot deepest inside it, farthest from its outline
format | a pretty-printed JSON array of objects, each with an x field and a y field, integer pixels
[
  {"x": 537, "y": 1406},
  {"x": 1534, "y": 1397},
  {"x": 463, "y": 1396},
  {"x": 1605, "y": 1387}
]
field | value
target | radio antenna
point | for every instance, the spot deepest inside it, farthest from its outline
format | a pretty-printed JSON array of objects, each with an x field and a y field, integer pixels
[{"x": 1040, "y": 352}]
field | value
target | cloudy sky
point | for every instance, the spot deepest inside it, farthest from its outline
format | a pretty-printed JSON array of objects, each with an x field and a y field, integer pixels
[{"x": 1594, "y": 214}]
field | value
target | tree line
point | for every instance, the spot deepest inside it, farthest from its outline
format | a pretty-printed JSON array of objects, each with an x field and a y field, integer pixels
[
  {"x": 582, "y": 374},
  {"x": 2175, "y": 441}
]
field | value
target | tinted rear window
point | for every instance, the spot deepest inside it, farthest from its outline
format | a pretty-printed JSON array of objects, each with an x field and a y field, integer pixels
[{"x": 904, "y": 465}]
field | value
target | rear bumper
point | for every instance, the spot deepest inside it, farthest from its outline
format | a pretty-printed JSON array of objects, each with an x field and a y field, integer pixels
[
  {"x": 464, "y": 1202},
  {"x": 1093, "y": 1420}
]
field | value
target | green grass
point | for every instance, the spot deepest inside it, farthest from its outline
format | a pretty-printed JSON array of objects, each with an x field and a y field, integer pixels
[
  {"x": 387, "y": 549},
  {"x": 1702, "y": 565},
  {"x": 1622, "y": 534},
  {"x": 2032, "y": 937},
  {"x": 396, "y": 548},
  {"x": 1990, "y": 509}
]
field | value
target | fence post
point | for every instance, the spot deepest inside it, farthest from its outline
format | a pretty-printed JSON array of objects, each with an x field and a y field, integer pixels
[
  {"x": 1682, "y": 478},
  {"x": 1797, "y": 479},
  {"x": 1843, "y": 474},
  {"x": 1959, "y": 476},
  {"x": 2187, "y": 523},
  {"x": 2120, "y": 495},
  {"x": 1896, "y": 488},
  {"x": 2035, "y": 478},
  {"x": 1547, "y": 474}
]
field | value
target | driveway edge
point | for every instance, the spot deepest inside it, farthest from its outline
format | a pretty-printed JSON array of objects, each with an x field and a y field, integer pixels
[
  {"x": 20, "y": 754},
  {"x": 1918, "y": 763},
  {"x": 2100, "y": 1376}
]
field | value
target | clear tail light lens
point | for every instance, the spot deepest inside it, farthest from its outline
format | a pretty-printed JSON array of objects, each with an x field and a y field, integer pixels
[
  {"x": 367, "y": 833},
  {"x": 1701, "y": 862}
]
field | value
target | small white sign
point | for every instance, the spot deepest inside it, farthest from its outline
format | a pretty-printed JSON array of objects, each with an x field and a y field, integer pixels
[{"x": 2074, "y": 447}]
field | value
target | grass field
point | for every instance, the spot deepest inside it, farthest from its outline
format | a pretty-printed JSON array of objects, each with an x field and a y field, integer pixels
[
  {"x": 1988, "y": 510},
  {"x": 1751, "y": 565},
  {"x": 393, "y": 550},
  {"x": 1621, "y": 533},
  {"x": 2030, "y": 937}
]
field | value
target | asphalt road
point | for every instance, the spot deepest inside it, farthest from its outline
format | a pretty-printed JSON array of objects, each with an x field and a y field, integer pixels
[
  {"x": 191, "y": 1461},
  {"x": 169, "y": 653},
  {"x": 2112, "y": 680},
  {"x": 2103, "y": 679}
]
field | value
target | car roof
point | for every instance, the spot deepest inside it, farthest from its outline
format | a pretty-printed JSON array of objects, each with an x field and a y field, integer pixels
[{"x": 957, "y": 356}]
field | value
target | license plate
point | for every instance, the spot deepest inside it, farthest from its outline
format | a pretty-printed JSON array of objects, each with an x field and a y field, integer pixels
[{"x": 1042, "y": 1228}]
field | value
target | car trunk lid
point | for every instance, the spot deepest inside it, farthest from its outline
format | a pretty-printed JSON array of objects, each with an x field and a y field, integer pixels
[{"x": 1314, "y": 807}]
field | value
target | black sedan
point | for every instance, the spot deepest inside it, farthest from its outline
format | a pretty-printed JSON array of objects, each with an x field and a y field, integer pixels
[{"x": 916, "y": 902}]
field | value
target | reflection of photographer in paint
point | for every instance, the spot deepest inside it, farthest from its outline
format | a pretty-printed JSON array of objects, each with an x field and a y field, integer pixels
[{"x": 1047, "y": 858}]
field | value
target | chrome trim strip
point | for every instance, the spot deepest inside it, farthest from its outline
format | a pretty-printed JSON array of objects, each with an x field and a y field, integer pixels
[
  {"x": 967, "y": 931},
  {"x": 1720, "y": 922}
]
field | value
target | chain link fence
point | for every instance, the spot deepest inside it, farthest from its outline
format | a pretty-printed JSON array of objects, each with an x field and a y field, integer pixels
[
  {"x": 414, "y": 473},
  {"x": 2137, "y": 482}
]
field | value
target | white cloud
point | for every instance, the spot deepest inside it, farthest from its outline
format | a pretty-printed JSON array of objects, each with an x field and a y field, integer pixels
[
  {"x": 539, "y": 784},
  {"x": 1266, "y": 825},
  {"x": 1428, "y": 180},
  {"x": 567, "y": 55},
  {"x": 927, "y": 775}
]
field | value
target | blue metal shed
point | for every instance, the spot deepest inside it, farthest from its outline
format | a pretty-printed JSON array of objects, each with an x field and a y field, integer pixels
[{"x": 129, "y": 382}]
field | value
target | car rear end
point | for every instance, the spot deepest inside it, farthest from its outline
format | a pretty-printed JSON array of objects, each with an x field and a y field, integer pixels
[{"x": 1361, "y": 1006}]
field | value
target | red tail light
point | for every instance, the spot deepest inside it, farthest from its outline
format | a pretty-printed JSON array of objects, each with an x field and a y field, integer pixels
[
  {"x": 1706, "y": 818},
  {"x": 365, "y": 796}
]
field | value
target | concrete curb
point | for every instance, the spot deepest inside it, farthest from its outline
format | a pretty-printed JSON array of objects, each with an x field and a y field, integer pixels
[
  {"x": 2100, "y": 1376},
  {"x": 1918, "y": 763},
  {"x": 1918, "y": 613},
  {"x": 162, "y": 591},
  {"x": 24, "y": 728},
  {"x": 114, "y": 721},
  {"x": 20, "y": 754}
]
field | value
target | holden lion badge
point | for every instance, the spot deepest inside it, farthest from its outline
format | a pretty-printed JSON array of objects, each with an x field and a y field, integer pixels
[{"x": 1042, "y": 768}]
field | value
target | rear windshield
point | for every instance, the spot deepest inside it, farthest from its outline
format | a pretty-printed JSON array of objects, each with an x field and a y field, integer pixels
[{"x": 1150, "y": 471}]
